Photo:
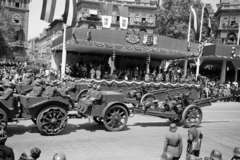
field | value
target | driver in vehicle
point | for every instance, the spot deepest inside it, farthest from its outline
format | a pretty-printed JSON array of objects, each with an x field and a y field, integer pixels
[
  {"x": 50, "y": 90},
  {"x": 88, "y": 95},
  {"x": 8, "y": 91},
  {"x": 96, "y": 96},
  {"x": 37, "y": 89}
]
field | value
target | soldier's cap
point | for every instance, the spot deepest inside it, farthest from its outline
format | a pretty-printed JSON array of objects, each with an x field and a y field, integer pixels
[
  {"x": 35, "y": 152},
  {"x": 216, "y": 155},
  {"x": 236, "y": 151},
  {"x": 59, "y": 156},
  {"x": 38, "y": 82},
  {"x": 173, "y": 127},
  {"x": 191, "y": 157},
  {"x": 166, "y": 156}
]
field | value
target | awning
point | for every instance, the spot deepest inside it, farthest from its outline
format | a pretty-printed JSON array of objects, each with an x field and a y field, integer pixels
[{"x": 105, "y": 41}]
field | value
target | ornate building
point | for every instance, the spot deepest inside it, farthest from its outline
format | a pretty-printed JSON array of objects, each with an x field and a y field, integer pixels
[
  {"x": 141, "y": 15},
  {"x": 228, "y": 16},
  {"x": 18, "y": 12}
]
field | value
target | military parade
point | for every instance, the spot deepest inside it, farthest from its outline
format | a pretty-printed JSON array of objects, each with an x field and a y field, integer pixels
[{"x": 139, "y": 79}]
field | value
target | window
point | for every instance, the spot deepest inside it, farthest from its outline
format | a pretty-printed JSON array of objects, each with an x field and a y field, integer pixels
[
  {"x": 17, "y": 4},
  {"x": 16, "y": 19},
  {"x": 118, "y": 19}
]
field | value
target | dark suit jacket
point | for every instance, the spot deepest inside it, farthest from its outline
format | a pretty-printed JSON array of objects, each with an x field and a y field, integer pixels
[{"x": 8, "y": 151}]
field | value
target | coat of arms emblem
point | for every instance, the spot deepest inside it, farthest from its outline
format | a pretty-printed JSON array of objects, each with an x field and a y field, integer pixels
[{"x": 133, "y": 37}]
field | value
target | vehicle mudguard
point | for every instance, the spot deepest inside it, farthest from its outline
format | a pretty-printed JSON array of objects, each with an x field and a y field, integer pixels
[
  {"x": 79, "y": 94},
  {"x": 36, "y": 108},
  {"x": 114, "y": 103}
]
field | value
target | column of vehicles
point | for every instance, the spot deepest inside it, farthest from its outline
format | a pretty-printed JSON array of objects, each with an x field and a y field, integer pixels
[{"x": 51, "y": 114}]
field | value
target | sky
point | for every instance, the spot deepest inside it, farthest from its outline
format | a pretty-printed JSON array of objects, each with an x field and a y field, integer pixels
[{"x": 36, "y": 25}]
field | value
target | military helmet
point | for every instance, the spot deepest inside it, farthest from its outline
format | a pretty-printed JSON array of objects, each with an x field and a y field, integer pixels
[
  {"x": 166, "y": 156},
  {"x": 236, "y": 151},
  {"x": 59, "y": 156},
  {"x": 191, "y": 157},
  {"x": 35, "y": 153},
  {"x": 216, "y": 155},
  {"x": 173, "y": 127}
]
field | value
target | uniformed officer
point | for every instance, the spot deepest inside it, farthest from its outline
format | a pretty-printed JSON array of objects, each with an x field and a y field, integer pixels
[
  {"x": 173, "y": 142},
  {"x": 37, "y": 89},
  {"x": 82, "y": 100},
  {"x": 27, "y": 80},
  {"x": 59, "y": 156},
  {"x": 194, "y": 139},
  {"x": 50, "y": 90},
  {"x": 166, "y": 156},
  {"x": 8, "y": 91},
  {"x": 96, "y": 96},
  {"x": 236, "y": 153},
  {"x": 7, "y": 150}
]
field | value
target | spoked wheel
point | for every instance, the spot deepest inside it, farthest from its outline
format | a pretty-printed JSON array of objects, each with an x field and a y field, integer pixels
[
  {"x": 175, "y": 119},
  {"x": 52, "y": 120},
  {"x": 115, "y": 118},
  {"x": 3, "y": 119},
  {"x": 147, "y": 97},
  {"x": 192, "y": 112},
  {"x": 98, "y": 120}
]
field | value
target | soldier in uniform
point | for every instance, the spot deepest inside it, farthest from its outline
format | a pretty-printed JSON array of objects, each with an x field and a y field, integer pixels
[
  {"x": 82, "y": 100},
  {"x": 59, "y": 156},
  {"x": 8, "y": 91},
  {"x": 27, "y": 80},
  {"x": 50, "y": 90},
  {"x": 37, "y": 89},
  {"x": 167, "y": 156},
  {"x": 173, "y": 142},
  {"x": 215, "y": 155},
  {"x": 236, "y": 153},
  {"x": 8, "y": 152},
  {"x": 194, "y": 136},
  {"x": 96, "y": 95}
]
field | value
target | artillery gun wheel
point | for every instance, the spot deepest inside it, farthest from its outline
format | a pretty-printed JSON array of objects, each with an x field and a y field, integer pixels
[
  {"x": 3, "y": 119},
  {"x": 192, "y": 112},
  {"x": 147, "y": 97},
  {"x": 98, "y": 120},
  {"x": 52, "y": 120},
  {"x": 115, "y": 118}
]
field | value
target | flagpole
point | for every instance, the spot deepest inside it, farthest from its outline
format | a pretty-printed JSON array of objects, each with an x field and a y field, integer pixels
[
  {"x": 238, "y": 35},
  {"x": 64, "y": 52},
  {"x": 200, "y": 36},
  {"x": 189, "y": 26}
]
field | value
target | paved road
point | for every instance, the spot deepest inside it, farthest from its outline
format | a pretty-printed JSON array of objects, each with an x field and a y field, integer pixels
[{"x": 142, "y": 140}]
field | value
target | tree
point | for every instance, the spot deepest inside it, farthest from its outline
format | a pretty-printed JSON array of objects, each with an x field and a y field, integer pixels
[{"x": 173, "y": 19}]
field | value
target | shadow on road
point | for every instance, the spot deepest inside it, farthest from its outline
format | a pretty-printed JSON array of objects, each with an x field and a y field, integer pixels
[
  {"x": 154, "y": 124},
  {"x": 21, "y": 129}
]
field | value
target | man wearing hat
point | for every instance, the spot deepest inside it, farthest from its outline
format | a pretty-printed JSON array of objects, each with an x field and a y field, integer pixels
[
  {"x": 27, "y": 80},
  {"x": 215, "y": 155},
  {"x": 59, "y": 156},
  {"x": 50, "y": 90},
  {"x": 194, "y": 139},
  {"x": 34, "y": 154},
  {"x": 96, "y": 96},
  {"x": 6, "y": 151},
  {"x": 236, "y": 153},
  {"x": 8, "y": 91},
  {"x": 173, "y": 142},
  {"x": 167, "y": 156},
  {"x": 37, "y": 89}
]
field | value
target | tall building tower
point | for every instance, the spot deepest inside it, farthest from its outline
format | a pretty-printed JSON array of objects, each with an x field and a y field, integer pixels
[{"x": 18, "y": 13}]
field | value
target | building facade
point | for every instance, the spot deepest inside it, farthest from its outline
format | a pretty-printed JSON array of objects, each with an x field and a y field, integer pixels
[
  {"x": 18, "y": 12},
  {"x": 141, "y": 15},
  {"x": 228, "y": 16}
]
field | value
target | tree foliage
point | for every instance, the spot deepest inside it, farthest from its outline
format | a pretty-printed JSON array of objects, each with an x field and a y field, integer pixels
[{"x": 173, "y": 19}]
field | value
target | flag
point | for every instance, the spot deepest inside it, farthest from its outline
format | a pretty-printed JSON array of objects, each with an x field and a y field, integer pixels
[
  {"x": 48, "y": 10},
  {"x": 70, "y": 13},
  {"x": 106, "y": 11},
  {"x": 123, "y": 12},
  {"x": 196, "y": 24},
  {"x": 209, "y": 20}
]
